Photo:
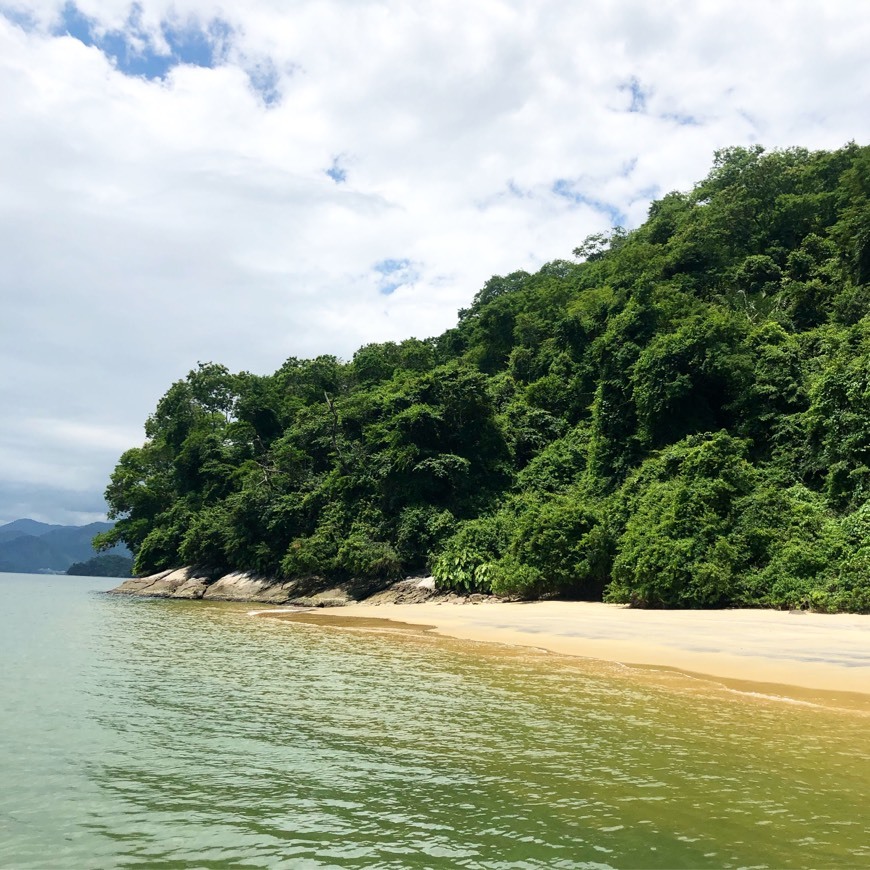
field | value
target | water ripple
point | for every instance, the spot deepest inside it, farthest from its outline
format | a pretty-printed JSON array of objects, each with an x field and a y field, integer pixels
[{"x": 194, "y": 735}]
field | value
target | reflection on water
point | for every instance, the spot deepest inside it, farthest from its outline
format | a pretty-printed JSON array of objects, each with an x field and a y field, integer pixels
[{"x": 195, "y": 735}]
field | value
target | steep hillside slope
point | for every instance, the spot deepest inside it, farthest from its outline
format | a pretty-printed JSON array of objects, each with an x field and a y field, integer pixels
[{"x": 679, "y": 419}]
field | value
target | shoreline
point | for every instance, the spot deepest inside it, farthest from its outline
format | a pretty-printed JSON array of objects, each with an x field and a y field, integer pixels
[{"x": 811, "y": 658}]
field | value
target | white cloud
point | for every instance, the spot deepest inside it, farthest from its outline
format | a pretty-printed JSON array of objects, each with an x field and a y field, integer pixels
[
  {"x": 77, "y": 435},
  {"x": 146, "y": 225}
]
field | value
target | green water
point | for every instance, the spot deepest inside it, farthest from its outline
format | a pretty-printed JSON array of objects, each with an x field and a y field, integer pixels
[{"x": 171, "y": 734}]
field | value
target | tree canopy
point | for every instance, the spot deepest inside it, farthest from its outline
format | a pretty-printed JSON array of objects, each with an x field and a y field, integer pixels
[{"x": 680, "y": 417}]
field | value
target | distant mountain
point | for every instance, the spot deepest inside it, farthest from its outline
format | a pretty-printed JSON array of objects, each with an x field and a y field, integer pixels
[
  {"x": 31, "y": 547},
  {"x": 20, "y": 528}
]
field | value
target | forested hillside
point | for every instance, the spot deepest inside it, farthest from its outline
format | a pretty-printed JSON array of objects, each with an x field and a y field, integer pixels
[
  {"x": 102, "y": 566},
  {"x": 679, "y": 417}
]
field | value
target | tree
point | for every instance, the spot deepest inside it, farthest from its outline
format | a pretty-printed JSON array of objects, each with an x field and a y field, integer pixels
[{"x": 680, "y": 418}]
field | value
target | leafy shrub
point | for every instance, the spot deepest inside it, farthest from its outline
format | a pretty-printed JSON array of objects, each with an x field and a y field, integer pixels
[
  {"x": 758, "y": 273},
  {"x": 310, "y": 556},
  {"x": 361, "y": 557},
  {"x": 464, "y": 563},
  {"x": 675, "y": 550},
  {"x": 790, "y": 540},
  {"x": 514, "y": 579},
  {"x": 564, "y": 542},
  {"x": 421, "y": 531},
  {"x": 848, "y": 586},
  {"x": 204, "y": 542},
  {"x": 558, "y": 466},
  {"x": 158, "y": 551},
  {"x": 848, "y": 582}
]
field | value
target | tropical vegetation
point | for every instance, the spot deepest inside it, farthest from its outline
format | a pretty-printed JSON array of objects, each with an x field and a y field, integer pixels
[{"x": 677, "y": 417}]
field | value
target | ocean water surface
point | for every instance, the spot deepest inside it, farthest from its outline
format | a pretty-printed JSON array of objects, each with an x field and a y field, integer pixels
[{"x": 156, "y": 733}]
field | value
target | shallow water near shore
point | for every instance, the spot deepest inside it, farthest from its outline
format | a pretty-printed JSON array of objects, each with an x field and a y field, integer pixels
[{"x": 169, "y": 734}]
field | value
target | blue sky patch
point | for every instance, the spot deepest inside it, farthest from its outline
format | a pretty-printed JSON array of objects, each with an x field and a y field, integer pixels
[
  {"x": 515, "y": 190},
  {"x": 638, "y": 95},
  {"x": 392, "y": 274},
  {"x": 568, "y": 190},
  {"x": 628, "y": 167},
  {"x": 132, "y": 49},
  {"x": 650, "y": 193},
  {"x": 265, "y": 80},
  {"x": 24, "y": 20},
  {"x": 338, "y": 174},
  {"x": 681, "y": 119}
]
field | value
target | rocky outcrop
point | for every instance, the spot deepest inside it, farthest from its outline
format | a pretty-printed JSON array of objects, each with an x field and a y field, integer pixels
[
  {"x": 414, "y": 590},
  {"x": 191, "y": 583},
  {"x": 178, "y": 583},
  {"x": 337, "y": 596},
  {"x": 242, "y": 586}
]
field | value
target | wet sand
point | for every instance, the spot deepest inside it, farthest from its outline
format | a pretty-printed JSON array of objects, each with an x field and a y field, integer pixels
[{"x": 819, "y": 656}]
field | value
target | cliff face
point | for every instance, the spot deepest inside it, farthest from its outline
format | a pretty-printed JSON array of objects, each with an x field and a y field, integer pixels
[{"x": 190, "y": 583}]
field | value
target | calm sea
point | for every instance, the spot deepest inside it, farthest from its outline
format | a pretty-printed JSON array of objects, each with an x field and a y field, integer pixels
[{"x": 173, "y": 734}]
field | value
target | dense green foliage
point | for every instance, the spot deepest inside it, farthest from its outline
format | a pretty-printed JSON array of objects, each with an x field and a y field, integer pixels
[
  {"x": 681, "y": 419},
  {"x": 102, "y": 566}
]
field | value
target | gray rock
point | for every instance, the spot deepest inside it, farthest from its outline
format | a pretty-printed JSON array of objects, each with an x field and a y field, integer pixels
[
  {"x": 190, "y": 583},
  {"x": 178, "y": 583},
  {"x": 242, "y": 586},
  {"x": 414, "y": 590}
]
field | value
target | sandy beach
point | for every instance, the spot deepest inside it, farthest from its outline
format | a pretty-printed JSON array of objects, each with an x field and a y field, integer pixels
[{"x": 817, "y": 656}]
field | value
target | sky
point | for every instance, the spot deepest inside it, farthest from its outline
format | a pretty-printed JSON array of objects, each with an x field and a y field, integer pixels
[{"x": 243, "y": 182}]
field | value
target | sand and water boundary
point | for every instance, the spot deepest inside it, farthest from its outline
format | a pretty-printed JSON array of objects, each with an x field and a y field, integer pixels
[
  {"x": 813, "y": 657},
  {"x": 809, "y": 657}
]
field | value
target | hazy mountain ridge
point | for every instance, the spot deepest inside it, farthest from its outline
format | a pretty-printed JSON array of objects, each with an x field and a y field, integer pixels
[
  {"x": 21, "y": 528},
  {"x": 30, "y": 547}
]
